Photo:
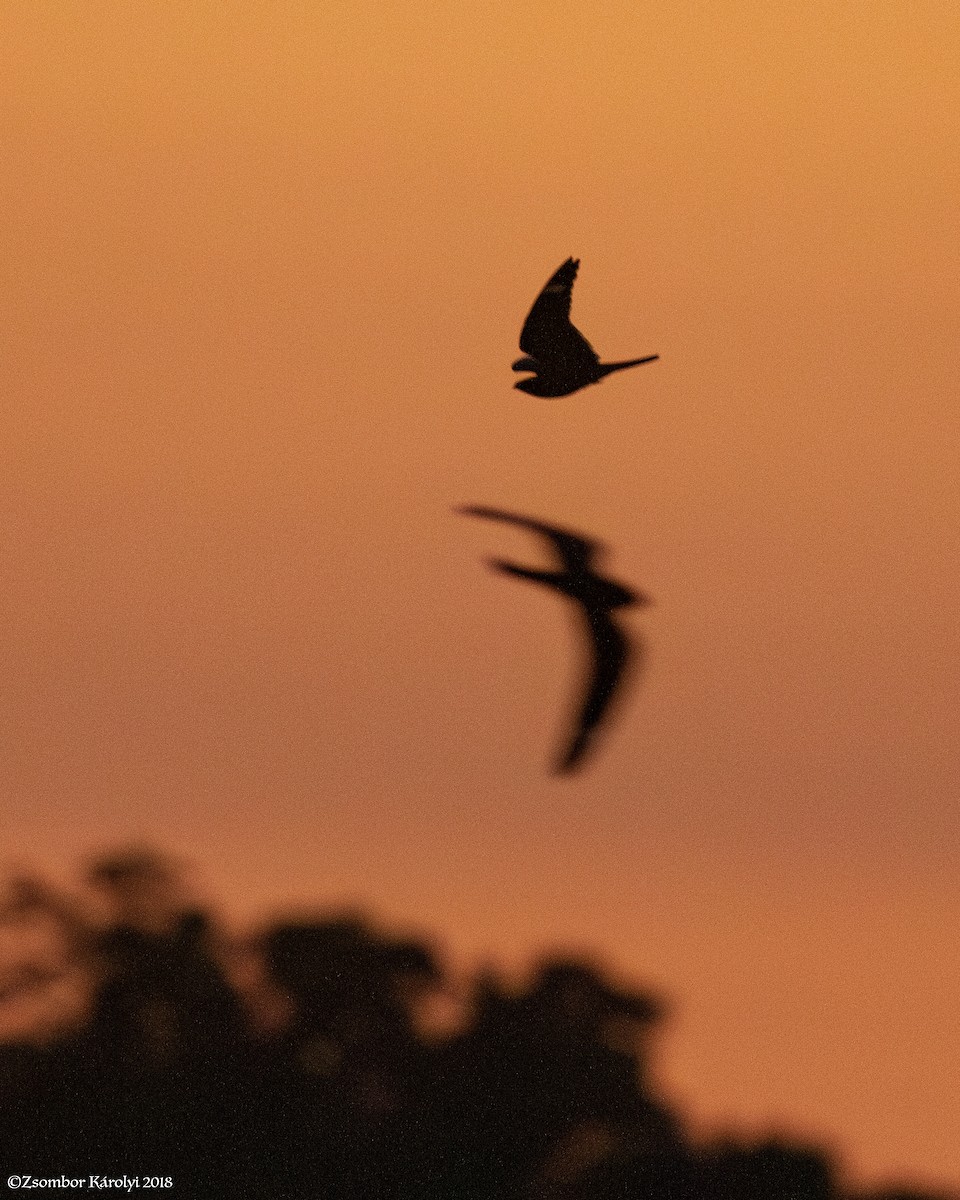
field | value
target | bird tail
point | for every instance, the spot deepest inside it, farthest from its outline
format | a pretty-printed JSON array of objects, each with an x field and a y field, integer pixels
[{"x": 606, "y": 368}]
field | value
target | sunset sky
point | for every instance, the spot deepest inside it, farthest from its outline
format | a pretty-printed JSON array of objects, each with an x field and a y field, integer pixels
[{"x": 265, "y": 264}]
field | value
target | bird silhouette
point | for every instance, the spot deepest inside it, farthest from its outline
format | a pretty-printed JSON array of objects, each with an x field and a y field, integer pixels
[
  {"x": 609, "y": 650},
  {"x": 562, "y": 359}
]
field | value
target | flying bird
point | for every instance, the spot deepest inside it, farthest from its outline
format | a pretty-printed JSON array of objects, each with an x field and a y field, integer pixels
[
  {"x": 609, "y": 651},
  {"x": 562, "y": 359}
]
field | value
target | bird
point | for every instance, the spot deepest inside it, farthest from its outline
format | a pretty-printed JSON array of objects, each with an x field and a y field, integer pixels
[
  {"x": 562, "y": 359},
  {"x": 608, "y": 649}
]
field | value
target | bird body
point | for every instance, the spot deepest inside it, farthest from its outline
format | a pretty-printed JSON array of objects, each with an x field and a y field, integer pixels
[
  {"x": 595, "y": 597},
  {"x": 562, "y": 359}
]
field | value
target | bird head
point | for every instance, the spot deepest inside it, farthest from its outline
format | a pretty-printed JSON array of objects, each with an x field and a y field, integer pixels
[{"x": 525, "y": 364}]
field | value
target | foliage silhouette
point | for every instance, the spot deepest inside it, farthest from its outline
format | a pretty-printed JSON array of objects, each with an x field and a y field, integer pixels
[{"x": 296, "y": 1065}]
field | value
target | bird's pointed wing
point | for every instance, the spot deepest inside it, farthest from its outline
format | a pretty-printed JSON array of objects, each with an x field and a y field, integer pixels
[
  {"x": 610, "y": 654},
  {"x": 547, "y": 333},
  {"x": 575, "y": 550}
]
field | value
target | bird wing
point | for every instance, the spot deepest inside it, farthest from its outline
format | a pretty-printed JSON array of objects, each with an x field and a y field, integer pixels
[
  {"x": 548, "y": 334},
  {"x": 610, "y": 653},
  {"x": 576, "y": 551}
]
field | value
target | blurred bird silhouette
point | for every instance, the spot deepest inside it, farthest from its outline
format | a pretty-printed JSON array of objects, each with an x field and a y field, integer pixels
[
  {"x": 561, "y": 357},
  {"x": 609, "y": 651}
]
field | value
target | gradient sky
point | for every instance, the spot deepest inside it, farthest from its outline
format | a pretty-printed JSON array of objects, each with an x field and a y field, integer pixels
[{"x": 265, "y": 267}]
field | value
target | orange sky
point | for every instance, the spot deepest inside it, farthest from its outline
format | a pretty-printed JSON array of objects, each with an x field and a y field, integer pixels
[{"x": 265, "y": 266}]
